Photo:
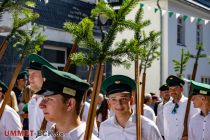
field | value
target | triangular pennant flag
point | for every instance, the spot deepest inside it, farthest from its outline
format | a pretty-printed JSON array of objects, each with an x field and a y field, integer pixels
[
  {"x": 170, "y": 13},
  {"x": 192, "y": 19},
  {"x": 149, "y": 8},
  {"x": 185, "y": 17},
  {"x": 177, "y": 15},
  {"x": 200, "y": 21},
  {"x": 141, "y": 5},
  {"x": 206, "y": 21},
  {"x": 156, "y": 9}
]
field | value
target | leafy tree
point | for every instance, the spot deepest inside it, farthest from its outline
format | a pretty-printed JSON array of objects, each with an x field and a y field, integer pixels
[{"x": 21, "y": 15}]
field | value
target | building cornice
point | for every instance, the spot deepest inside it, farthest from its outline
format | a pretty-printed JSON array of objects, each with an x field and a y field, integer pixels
[{"x": 196, "y": 4}]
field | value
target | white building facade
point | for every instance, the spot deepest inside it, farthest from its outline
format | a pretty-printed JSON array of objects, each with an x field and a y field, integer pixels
[{"x": 184, "y": 24}]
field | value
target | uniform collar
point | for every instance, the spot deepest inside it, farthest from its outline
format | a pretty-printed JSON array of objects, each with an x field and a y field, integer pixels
[
  {"x": 131, "y": 120},
  {"x": 74, "y": 133},
  {"x": 77, "y": 132},
  {"x": 201, "y": 113}
]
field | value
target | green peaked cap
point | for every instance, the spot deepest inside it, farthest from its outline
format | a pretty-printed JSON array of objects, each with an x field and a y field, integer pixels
[
  {"x": 62, "y": 82},
  {"x": 36, "y": 62},
  {"x": 200, "y": 88},
  {"x": 118, "y": 83},
  {"x": 164, "y": 87},
  {"x": 22, "y": 75},
  {"x": 174, "y": 81}
]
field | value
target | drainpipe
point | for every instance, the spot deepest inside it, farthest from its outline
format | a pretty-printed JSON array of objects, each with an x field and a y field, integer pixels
[{"x": 161, "y": 44}]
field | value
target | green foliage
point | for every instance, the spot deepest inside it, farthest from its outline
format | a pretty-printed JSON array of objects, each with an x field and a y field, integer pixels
[
  {"x": 150, "y": 50},
  {"x": 21, "y": 14},
  {"x": 15, "y": 5},
  {"x": 146, "y": 46},
  {"x": 200, "y": 49},
  {"x": 101, "y": 51},
  {"x": 180, "y": 66},
  {"x": 21, "y": 18},
  {"x": 80, "y": 31},
  {"x": 28, "y": 41}
]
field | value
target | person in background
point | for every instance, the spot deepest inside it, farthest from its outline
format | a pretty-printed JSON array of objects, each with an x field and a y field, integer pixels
[
  {"x": 165, "y": 95},
  {"x": 12, "y": 101},
  {"x": 174, "y": 110},
  {"x": 100, "y": 99},
  {"x": 155, "y": 102},
  {"x": 147, "y": 99},
  {"x": 148, "y": 111},
  {"x": 20, "y": 85},
  {"x": 23, "y": 106},
  {"x": 10, "y": 120},
  {"x": 102, "y": 112},
  {"x": 199, "y": 126},
  {"x": 35, "y": 114}
]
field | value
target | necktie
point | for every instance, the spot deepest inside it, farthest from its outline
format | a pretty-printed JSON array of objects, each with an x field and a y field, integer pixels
[{"x": 175, "y": 108}]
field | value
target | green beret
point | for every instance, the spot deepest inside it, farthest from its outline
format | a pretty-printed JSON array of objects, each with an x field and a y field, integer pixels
[
  {"x": 36, "y": 62},
  {"x": 23, "y": 75},
  {"x": 118, "y": 83},
  {"x": 174, "y": 81},
  {"x": 164, "y": 87},
  {"x": 200, "y": 88},
  {"x": 3, "y": 87},
  {"x": 60, "y": 82}
]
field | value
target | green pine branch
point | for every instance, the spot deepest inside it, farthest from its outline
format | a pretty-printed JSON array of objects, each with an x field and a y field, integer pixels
[
  {"x": 200, "y": 49},
  {"x": 101, "y": 51},
  {"x": 180, "y": 66},
  {"x": 21, "y": 16},
  {"x": 28, "y": 41},
  {"x": 11, "y": 5},
  {"x": 150, "y": 45}
]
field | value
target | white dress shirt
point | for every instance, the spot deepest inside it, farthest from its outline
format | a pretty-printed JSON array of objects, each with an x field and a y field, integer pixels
[
  {"x": 36, "y": 116},
  {"x": 111, "y": 130},
  {"x": 148, "y": 112},
  {"x": 159, "y": 119},
  {"x": 10, "y": 121},
  {"x": 85, "y": 117},
  {"x": 199, "y": 127},
  {"x": 174, "y": 123},
  {"x": 77, "y": 133}
]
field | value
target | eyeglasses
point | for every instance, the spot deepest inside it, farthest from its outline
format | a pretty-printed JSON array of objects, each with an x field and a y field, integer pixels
[{"x": 122, "y": 100}]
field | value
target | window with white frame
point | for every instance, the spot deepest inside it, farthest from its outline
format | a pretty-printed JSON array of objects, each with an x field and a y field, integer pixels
[
  {"x": 180, "y": 31},
  {"x": 55, "y": 55},
  {"x": 205, "y": 79},
  {"x": 199, "y": 33}
]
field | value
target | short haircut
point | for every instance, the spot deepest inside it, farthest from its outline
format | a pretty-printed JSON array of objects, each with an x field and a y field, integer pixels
[{"x": 78, "y": 106}]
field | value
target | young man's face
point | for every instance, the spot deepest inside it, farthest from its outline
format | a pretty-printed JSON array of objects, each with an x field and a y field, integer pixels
[
  {"x": 53, "y": 107},
  {"x": 165, "y": 95},
  {"x": 197, "y": 100},
  {"x": 22, "y": 82},
  {"x": 176, "y": 92},
  {"x": 120, "y": 103},
  {"x": 35, "y": 79}
]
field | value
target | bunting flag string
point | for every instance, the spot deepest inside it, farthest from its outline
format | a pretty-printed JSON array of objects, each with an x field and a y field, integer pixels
[{"x": 177, "y": 15}]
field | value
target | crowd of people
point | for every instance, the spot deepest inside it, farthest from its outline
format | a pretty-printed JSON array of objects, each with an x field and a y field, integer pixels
[{"x": 50, "y": 104}]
